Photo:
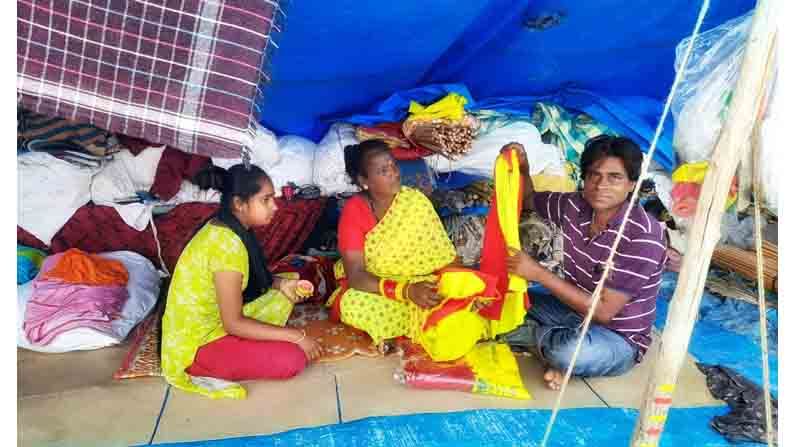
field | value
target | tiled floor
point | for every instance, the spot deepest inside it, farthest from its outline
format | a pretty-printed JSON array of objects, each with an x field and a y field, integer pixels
[{"x": 71, "y": 399}]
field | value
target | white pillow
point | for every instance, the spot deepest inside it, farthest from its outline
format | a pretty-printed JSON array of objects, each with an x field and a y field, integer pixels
[
  {"x": 143, "y": 288},
  {"x": 296, "y": 163},
  {"x": 329, "y": 169}
]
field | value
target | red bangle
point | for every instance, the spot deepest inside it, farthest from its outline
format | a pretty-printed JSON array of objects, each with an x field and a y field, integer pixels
[
  {"x": 388, "y": 287},
  {"x": 391, "y": 289}
]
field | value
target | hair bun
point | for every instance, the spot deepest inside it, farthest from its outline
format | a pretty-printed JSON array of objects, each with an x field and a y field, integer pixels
[{"x": 211, "y": 177}]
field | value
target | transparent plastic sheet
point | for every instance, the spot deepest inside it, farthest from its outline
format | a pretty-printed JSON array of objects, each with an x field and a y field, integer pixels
[
  {"x": 771, "y": 151},
  {"x": 490, "y": 368},
  {"x": 703, "y": 98}
]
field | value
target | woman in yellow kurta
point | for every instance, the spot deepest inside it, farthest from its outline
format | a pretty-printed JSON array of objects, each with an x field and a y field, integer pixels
[
  {"x": 225, "y": 313},
  {"x": 393, "y": 247}
]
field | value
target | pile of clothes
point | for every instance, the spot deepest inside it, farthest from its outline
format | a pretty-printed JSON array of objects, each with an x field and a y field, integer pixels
[
  {"x": 79, "y": 300},
  {"x": 142, "y": 198},
  {"x": 75, "y": 289},
  {"x": 452, "y": 136}
]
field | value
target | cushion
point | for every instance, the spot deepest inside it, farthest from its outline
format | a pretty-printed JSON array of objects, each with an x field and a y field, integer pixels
[
  {"x": 143, "y": 358},
  {"x": 339, "y": 340}
]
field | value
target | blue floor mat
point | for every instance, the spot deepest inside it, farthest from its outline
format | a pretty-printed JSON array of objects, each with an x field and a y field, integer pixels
[
  {"x": 726, "y": 333},
  {"x": 574, "y": 427}
]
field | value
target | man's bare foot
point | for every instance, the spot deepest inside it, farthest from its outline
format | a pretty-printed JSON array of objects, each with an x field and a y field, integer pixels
[{"x": 553, "y": 378}]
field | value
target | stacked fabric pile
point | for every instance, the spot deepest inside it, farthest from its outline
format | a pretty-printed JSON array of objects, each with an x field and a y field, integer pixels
[
  {"x": 143, "y": 198},
  {"x": 85, "y": 301}
]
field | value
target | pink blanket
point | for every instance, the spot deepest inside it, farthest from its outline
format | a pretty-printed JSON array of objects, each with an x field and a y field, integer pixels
[{"x": 56, "y": 307}]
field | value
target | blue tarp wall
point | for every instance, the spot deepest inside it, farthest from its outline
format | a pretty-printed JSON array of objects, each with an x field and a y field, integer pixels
[{"x": 613, "y": 59}]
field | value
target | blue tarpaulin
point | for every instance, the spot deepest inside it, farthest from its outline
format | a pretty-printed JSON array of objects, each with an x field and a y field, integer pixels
[
  {"x": 727, "y": 333},
  {"x": 609, "y": 58},
  {"x": 497, "y": 428}
]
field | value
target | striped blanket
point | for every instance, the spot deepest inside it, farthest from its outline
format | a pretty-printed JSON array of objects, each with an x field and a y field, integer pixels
[
  {"x": 37, "y": 127},
  {"x": 184, "y": 73}
]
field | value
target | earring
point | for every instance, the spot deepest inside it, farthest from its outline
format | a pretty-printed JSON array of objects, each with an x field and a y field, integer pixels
[{"x": 365, "y": 186}]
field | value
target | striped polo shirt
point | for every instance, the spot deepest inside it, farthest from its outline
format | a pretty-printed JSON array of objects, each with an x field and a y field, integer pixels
[{"x": 637, "y": 266}]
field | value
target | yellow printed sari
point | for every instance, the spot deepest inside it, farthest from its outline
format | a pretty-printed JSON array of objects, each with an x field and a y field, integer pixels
[{"x": 410, "y": 244}]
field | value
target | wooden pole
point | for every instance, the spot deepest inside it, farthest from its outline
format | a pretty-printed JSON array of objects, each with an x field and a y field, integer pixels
[
  {"x": 704, "y": 232},
  {"x": 760, "y": 281},
  {"x": 770, "y": 429}
]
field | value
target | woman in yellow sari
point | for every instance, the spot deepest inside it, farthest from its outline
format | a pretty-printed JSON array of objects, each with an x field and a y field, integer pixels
[{"x": 393, "y": 248}]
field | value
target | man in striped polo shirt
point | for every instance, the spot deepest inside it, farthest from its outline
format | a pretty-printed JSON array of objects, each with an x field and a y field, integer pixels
[{"x": 620, "y": 332}]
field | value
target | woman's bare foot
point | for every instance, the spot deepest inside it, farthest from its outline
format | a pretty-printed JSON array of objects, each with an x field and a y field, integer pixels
[{"x": 553, "y": 378}]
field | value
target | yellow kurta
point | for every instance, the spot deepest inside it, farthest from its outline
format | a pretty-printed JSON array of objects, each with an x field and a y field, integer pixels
[{"x": 192, "y": 317}]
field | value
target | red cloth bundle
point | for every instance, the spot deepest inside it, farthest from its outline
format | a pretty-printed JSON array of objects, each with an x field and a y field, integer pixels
[{"x": 419, "y": 371}]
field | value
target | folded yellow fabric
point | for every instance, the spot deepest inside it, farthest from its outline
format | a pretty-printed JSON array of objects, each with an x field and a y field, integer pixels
[{"x": 451, "y": 107}]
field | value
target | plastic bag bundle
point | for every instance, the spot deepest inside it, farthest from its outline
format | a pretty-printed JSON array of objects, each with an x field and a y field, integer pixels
[
  {"x": 329, "y": 164},
  {"x": 702, "y": 101},
  {"x": 772, "y": 134},
  {"x": 264, "y": 152},
  {"x": 485, "y": 148},
  {"x": 296, "y": 162},
  {"x": 489, "y": 368}
]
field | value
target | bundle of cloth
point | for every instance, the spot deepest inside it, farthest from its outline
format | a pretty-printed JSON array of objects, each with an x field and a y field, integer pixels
[
  {"x": 85, "y": 301},
  {"x": 34, "y": 129},
  {"x": 687, "y": 180},
  {"x": 29, "y": 262},
  {"x": 452, "y": 134},
  {"x": 489, "y": 368},
  {"x": 118, "y": 206},
  {"x": 51, "y": 190}
]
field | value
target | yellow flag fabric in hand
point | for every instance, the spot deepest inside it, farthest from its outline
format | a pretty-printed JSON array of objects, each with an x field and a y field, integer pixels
[{"x": 502, "y": 234}]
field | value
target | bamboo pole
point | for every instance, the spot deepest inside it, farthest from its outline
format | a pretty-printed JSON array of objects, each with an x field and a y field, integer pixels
[
  {"x": 704, "y": 233},
  {"x": 760, "y": 271}
]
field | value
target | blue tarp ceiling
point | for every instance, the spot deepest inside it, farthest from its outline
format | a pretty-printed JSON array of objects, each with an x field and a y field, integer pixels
[{"x": 610, "y": 58}]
